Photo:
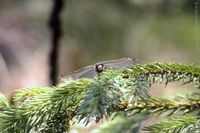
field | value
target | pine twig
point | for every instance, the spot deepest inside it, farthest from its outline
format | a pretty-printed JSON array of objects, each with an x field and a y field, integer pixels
[
  {"x": 114, "y": 91},
  {"x": 186, "y": 123}
]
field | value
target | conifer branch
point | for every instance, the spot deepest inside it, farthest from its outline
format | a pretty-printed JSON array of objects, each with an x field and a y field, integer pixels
[
  {"x": 190, "y": 103},
  {"x": 187, "y": 123},
  {"x": 36, "y": 112},
  {"x": 121, "y": 125},
  {"x": 3, "y": 102},
  {"x": 168, "y": 72},
  {"x": 108, "y": 91},
  {"x": 52, "y": 109}
]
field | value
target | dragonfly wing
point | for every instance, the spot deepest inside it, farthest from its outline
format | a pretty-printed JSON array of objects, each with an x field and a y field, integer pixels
[
  {"x": 89, "y": 71},
  {"x": 119, "y": 63},
  {"x": 86, "y": 72}
]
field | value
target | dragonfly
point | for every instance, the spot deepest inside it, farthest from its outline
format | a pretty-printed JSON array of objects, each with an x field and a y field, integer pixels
[{"x": 92, "y": 71}]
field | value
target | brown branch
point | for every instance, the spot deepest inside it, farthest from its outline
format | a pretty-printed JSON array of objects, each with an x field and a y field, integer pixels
[
  {"x": 55, "y": 27},
  {"x": 170, "y": 105}
]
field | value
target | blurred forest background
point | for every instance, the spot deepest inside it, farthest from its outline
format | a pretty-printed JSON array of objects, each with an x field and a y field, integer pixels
[{"x": 93, "y": 30}]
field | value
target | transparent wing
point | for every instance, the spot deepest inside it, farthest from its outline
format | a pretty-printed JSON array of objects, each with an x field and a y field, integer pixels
[
  {"x": 89, "y": 71},
  {"x": 119, "y": 63},
  {"x": 86, "y": 72}
]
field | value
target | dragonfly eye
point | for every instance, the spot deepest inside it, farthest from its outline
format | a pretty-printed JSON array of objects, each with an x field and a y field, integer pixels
[{"x": 99, "y": 68}]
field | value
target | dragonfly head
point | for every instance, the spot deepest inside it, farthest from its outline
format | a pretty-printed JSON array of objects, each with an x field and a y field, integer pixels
[{"x": 99, "y": 67}]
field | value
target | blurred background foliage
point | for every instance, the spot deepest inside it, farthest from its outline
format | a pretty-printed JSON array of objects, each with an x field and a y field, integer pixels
[
  {"x": 93, "y": 30},
  {"x": 148, "y": 30}
]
